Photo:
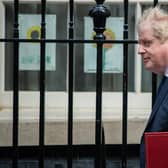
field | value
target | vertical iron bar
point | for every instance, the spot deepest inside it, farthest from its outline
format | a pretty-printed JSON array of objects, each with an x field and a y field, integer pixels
[
  {"x": 99, "y": 14},
  {"x": 125, "y": 88},
  {"x": 15, "y": 86},
  {"x": 42, "y": 85},
  {"x": 155, "y": 2},
  {"x": 154, "y": 87},
  {"x": 98, "y": 163},
  {"x": 70, "y": 84},
  {"x": 154, "y": 76}
]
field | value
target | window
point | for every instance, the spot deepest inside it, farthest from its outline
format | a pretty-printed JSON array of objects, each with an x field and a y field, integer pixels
[
  {"x": 29, "y": 79},
  {"x": 85, "y": 81}
]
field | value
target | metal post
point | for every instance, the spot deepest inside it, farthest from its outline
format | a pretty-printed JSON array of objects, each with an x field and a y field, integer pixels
[
  {"x": 154, "y": 76},
  {"x": 155, "y": 2},
  {"x": 70, "y": 85},
  {"x": 125, "y": 88},
  {"x": 15, "y": 86},
  {"x": 99, "y": 14},
  {"x": 42, "y": 86}
]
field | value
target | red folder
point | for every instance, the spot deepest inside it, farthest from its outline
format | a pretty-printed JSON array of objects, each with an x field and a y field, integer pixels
[{"x": 156, "y": 149}]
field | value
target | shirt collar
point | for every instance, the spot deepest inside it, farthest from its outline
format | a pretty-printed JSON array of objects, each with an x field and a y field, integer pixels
[{"x": 166, "y": 72}]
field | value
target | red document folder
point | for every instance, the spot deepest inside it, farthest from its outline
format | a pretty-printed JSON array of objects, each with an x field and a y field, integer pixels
[{"x": 156, "y": 149}]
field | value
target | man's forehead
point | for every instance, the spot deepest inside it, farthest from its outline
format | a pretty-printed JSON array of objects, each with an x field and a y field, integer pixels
[
  {"x": 145, "y": 26},
  {"x": 145, "y": 30}
]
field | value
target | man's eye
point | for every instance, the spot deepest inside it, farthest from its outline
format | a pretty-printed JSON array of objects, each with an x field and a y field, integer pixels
[{"x": 147, "y": 43}]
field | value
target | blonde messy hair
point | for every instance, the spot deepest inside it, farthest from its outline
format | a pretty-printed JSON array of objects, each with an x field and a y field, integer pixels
[{"x": 159, "y": 22}]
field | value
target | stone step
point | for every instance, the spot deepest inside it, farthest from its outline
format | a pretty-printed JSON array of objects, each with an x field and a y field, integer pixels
[{"x": 78, "y": 163}]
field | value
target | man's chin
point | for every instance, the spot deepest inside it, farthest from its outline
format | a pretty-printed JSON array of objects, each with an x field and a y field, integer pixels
[{"x": 148, "y": 68}]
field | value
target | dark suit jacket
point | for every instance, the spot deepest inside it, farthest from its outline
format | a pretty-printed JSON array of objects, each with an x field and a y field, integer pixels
[{"x": 158, "y": 120}]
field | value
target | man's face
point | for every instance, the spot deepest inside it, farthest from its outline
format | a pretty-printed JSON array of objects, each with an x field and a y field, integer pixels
[{"x": 153, "y": 52}]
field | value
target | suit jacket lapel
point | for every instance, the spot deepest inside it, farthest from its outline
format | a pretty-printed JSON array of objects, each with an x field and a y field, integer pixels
[{"x": 163, "y": 91}]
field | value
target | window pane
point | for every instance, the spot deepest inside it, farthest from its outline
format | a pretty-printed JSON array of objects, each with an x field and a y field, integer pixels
[
  {"x": 111, "y": 81},
  {"x": 29, "y": 79}
]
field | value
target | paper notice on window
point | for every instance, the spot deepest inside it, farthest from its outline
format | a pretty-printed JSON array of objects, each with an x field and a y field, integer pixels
[
  {"x": 29, "y": 53},
  {"x": 112, "y": 53}
]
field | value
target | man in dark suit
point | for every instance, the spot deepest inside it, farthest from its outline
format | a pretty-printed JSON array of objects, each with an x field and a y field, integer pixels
[{"x": 153, "y": 48}]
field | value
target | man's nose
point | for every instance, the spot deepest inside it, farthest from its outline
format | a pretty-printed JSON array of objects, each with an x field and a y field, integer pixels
[{"x": 141, "y": 49}]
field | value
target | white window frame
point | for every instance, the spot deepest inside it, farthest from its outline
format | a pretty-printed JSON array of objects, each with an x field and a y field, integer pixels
[{"x": 139, "y": 104}]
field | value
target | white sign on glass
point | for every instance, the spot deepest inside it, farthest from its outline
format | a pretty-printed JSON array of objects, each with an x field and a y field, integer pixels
[
  {"x": 112, "y": 53},
  {"x": 29, "y": 53}
]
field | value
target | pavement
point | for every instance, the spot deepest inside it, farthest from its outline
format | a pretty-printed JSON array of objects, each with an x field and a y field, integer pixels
[{"x": 77, "y": 163}]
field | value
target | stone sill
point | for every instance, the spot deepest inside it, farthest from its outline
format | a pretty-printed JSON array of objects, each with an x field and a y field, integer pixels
[{"x": 83, "y": 132}]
